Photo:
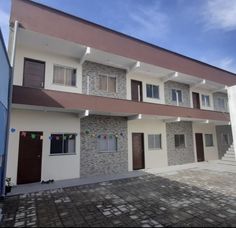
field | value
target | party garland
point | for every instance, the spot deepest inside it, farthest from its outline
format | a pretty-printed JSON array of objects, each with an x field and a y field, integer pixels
[{"x": 69, "y": 136}]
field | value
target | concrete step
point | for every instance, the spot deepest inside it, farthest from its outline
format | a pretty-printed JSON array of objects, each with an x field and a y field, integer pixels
[
  {"x": 231, "y": 163},
  {"x": 229, "y": 159},
  {"x": 230, "y": 150},
  {"x": 229, "y": 155}
]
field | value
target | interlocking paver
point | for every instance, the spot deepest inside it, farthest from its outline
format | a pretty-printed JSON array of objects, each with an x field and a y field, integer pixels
[{"x": 189, "y": 198}]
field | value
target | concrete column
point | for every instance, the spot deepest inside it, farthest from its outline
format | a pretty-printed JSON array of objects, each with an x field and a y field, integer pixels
[{"x": 232, "y": 110}]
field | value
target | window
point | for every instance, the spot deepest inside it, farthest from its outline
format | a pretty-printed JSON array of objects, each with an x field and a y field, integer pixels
[
  {"x": 177, "y": 95},
  {"x": 209, "y": 140},
  {"x": 206, "y": 101},
  {"x": 107, "y": 143},
  {"x": 179, "y": 141},
  {"x": 225, "y": 139},
  {"x": 221, "y": 103},
  {"x": 107, "y": 83},
  {"x": 154, "y": 142},
  {"x": 152, "y": 91},
  {"x": 64, "y": 76},
  {"x": 62, "y": 143}
]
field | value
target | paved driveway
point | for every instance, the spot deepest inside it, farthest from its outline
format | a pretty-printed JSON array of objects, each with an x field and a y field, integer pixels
[{"x": 184, "y": 198}]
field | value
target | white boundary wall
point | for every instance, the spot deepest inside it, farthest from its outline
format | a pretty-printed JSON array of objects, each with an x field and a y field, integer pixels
[{"x": 232, "y": 110}]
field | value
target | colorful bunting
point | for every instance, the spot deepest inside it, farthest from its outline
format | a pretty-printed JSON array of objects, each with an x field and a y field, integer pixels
[
  {"x": 105, "y": 136},
  {"x": 23, "y": 134}
]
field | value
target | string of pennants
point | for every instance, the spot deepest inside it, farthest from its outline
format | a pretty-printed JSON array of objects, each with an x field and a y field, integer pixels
[
  {"x": 69, "y": 136},
  {"x": 32, "y": 135}
]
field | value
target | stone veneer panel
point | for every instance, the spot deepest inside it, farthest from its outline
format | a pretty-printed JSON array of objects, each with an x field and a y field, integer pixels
[
  {"x": 93, "y": 70},
  {"x": 180, "y": 86},
  {"x": 94, "y": 163},
  {"x": 182, "y": 155},
  {"x": 226, "y": 129},
  {"x": 215, "y": 99}
]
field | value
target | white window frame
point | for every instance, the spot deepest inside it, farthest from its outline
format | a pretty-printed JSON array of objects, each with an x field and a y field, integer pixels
[
  {"x": 107, "y": 76},
  {"x": 204, "y": 99},
  {"x": 108, "y": 150},
  {"x": 225, "y": 103},
  {"x": 212, "y": 140},
  {"x": 180, "y": 147},
  {"x": 152, "y": 97},
  {"x": 155, "y": 148},
  {"x": 65, "y": 67},
  {"x": 60, "y": 154},
  {"x": 177, "y": 96}
]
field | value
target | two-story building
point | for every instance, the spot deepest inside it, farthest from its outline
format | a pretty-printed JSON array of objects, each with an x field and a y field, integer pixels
[{"x": 89, "y": 101}]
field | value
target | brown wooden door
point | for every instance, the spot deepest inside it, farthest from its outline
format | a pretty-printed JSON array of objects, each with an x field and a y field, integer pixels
[
  {"x": 30, "y": 157},
  {"x": 34, "y": 72},
  {"x": 138, "y": 151},
  {"x": 199, "y": 147},
  {"x": 136, "y": 90},
  {"x": 196, "y": 100}
]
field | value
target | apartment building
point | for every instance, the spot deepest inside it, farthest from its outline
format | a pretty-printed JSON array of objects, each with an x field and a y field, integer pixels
[{"x": 89, "y": 101}]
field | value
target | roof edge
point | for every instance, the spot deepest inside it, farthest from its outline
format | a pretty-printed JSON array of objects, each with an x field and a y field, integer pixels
[{"x": 121, "y": 34}]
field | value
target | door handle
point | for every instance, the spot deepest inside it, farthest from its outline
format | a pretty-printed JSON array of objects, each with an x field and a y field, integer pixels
[{"x": 38, "y": 156}]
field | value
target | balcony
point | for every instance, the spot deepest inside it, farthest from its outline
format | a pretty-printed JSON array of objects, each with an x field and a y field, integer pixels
[{"x": 49, "y": 100}]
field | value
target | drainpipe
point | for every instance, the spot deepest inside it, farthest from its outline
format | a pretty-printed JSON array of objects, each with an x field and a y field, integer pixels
[
  {"x": 12, "y": 60},
  {"x": 10, "y": 87}
]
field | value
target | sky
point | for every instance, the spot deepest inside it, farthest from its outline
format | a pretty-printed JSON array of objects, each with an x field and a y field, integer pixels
[{"x": 201, "y": 29}]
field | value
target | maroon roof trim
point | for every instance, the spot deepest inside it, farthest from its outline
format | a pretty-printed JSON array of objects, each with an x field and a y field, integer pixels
[
  {"x": 45, "y": 20},
  {"x": 73, "y": 101}
]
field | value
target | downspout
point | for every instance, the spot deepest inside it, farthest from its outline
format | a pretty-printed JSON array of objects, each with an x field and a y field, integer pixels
[
  {"x": 12, "y": 60},
  {"x": 10, "y": 89}
]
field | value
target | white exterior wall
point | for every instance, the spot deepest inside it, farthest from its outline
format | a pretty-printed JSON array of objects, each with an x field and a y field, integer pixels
[
  {"x": 211, "y": 153},
  {"x": 50, "y": 60},
  {"x": 146, "y": 79},
  {"x": 153, "y": 158},
  {"x": 55, "y": 167},
  {"x": 232, "y": 110},
  {"x": 201, "y": 92}
]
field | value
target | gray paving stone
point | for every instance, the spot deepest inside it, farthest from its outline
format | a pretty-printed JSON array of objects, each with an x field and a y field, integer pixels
[{"x": 189, "y": 198}]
